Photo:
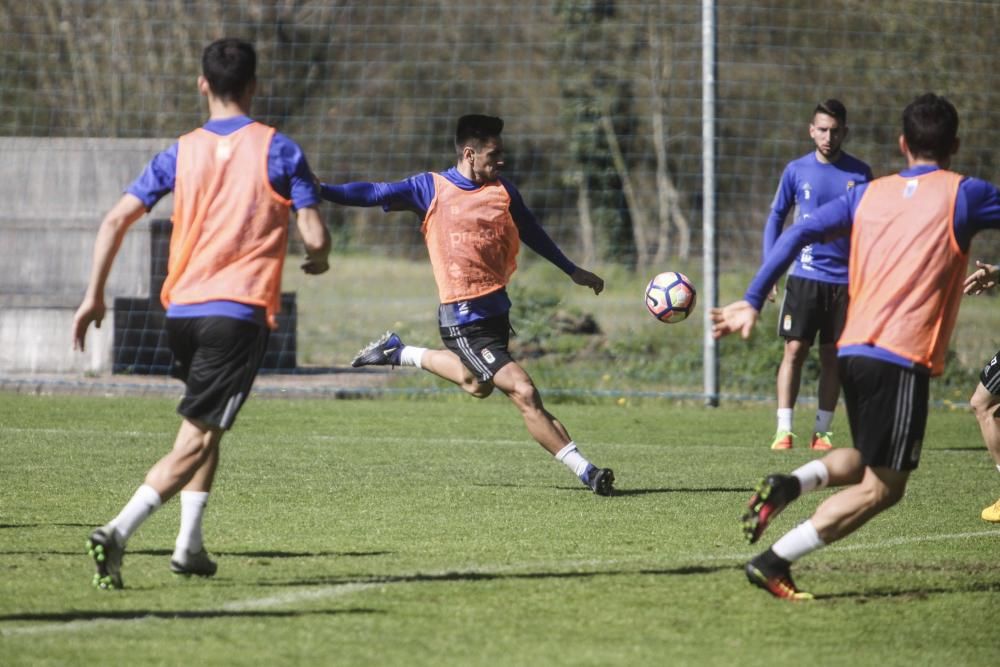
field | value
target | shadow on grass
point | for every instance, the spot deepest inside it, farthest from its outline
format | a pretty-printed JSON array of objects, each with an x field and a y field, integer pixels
[
  {"x": 134, "y": 614},
  {"x": 235, "y": 554},
  {"x": 472, "y": 576},
  {"x": 916, "y": 593},
  {"x": 45, "y": 525},
  {"x": 645, "y": 492}
]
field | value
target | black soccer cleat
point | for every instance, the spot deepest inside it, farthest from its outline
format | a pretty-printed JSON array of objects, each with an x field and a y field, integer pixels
[
  {"x": 383, "y": 351},
  {"x": 601, "y": 481},
  {"x": 197, "y": 564},
  {"x": 772, "y": 495},
  {"x": 774, "y": 575},
  {"x": 107, "y": 550}
]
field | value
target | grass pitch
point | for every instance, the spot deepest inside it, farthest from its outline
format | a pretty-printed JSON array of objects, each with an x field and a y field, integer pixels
[{"x": 434, "y": 532}]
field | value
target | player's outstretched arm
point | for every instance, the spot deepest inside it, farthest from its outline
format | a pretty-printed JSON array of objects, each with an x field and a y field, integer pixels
[
  {"x": 982, "y": 279},
  {"x": 588, "y": 279},
  {"x": 109, "y": 239},
  {"x": 316, "y": 238},
  {"x": 738, "y": 316}
]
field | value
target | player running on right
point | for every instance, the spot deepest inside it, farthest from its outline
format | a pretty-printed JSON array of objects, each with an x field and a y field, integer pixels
[
  {"x": 910, "y": 235},
  {"x": 985, "y": 399}
]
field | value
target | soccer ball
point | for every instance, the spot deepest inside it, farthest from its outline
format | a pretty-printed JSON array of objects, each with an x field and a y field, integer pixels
[{"x": 670, "y": 297}]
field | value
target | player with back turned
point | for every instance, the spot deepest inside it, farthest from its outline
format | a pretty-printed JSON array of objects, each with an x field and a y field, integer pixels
[
  {"x": 474, "y": 221},
  {"x": 234, "y": 182},
  {"x": 815, "y": 301},
  {"x": 910, "y": 235}
]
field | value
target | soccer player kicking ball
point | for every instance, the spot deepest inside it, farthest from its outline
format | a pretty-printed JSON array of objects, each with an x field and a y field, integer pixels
[
  {"x": 234, "y": 182},
  {"x": 985, "y": 399},
  {"x": 815, "y": 300},
  {"x": 473, "y": 222},
  {"x": 910, "y": 235}
]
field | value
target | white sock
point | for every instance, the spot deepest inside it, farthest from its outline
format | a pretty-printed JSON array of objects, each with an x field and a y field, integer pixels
[
  {"x": 144, "y": 502},
  {"x": 812, "y": 475},
  {"x": 998, "y": 467},
  {"x": 823, "y": 420},
  {"x": 572, "y": 459},
  {"x": 798, "y": 542},
  {"x": 785, "y": 418},
  {"x": 411, "y": 355},
  {"x": 192, "y": 509}
]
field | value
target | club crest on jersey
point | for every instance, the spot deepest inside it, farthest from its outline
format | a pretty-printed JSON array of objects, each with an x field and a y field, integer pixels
[
  {"x": 850, "y": 185},
  {"x": 488, "y": 356}
]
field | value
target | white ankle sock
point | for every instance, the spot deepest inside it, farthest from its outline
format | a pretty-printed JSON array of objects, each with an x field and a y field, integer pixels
[
  {"x": 798, "y": 542},
  {"x": 823, "y": 420},
  {"x": 144, "y": 502},
  {"x": 189, "y": 537},
  {"x": 573, "y": 459},
  {"x": 785, "y": 418},
  {"x": 411, "y": 355},
  {"x": 812, "y": 475}
]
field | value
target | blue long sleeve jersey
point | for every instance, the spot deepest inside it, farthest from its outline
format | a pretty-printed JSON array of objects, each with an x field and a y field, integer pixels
[
  {"x": 415, "y": 194},
  {"x": 806, "y": 184},
  {"x": 289, "y": 175},
  {"x": 977, "y": 207}
]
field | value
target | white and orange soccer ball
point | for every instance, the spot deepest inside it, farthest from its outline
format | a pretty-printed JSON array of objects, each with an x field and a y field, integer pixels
[{"x": 670, "y": 297}]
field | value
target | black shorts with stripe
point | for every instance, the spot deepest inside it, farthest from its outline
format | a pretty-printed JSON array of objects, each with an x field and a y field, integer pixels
[
  {"x": 481, "y": 345},
  {"x": 217, "y": 358},
  {"x": 887, "y": 410},
  {"x": 810, "y": 307},
  {"x": 990, "y": 377}
]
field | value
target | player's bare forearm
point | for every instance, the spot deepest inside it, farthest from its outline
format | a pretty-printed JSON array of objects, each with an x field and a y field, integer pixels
[
  {"x": 316, "y": 238},
  {"x": 109, "y": 239},
  {"x": 587, "y": 279},
  {"x": 982, "y": 279}
]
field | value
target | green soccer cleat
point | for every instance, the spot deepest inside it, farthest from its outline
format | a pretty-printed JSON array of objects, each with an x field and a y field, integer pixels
[
  {"x": 822, "y": 441},
  {"x": 783, "y": 440},
  {"x": 107, "y": 550}
]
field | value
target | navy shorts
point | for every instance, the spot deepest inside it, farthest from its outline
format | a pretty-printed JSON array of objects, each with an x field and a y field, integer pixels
[
  {"x": 481, "y": 345},
  {"x": 810, "y": 307},
  {"x": 887, "y": 410},
  {"x": 217, "y": 358},
  {"x": 990, "y": 377}
]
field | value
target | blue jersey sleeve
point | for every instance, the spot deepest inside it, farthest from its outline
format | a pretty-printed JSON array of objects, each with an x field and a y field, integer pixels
[
  {"x": 977, "y": 207},
  {"x": 784, "y": 200},
  {"x": 828, "y": 222},
  {"x": 532, "y": 233},
  {"x": 289, "y": 172},
  {"x": 157, "y": 179},
  {"x": 412, "y": 194}
]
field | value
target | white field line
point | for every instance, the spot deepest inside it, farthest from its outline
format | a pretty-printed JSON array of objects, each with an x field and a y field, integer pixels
[{"x": 342, "y": 590}]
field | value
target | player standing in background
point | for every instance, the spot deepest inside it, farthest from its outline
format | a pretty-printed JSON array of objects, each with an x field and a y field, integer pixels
[
  {"x": 816, "y": 288},
  {"x": 910, "y": 235},
  {"x": 985, "y": 399},
  {"x": 234, "y": 181},
  {"x": 473, "y": 223}
]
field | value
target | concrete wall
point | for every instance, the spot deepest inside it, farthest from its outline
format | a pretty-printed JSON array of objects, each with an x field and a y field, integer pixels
[{"x": 54, "y": 193}]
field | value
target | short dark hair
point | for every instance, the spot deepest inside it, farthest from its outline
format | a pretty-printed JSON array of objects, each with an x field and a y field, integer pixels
[
  {"x": 476, "y": 129},
  {"x": 833, "y": 108},
  {"x": 229, "y": 65},
  {"x": 930, "y": 127}
]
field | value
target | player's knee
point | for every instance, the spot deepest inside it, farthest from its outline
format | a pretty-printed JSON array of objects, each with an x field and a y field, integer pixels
[
  {"x": 984, "y": 404},
  {"x": 882, "y": 496}
]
